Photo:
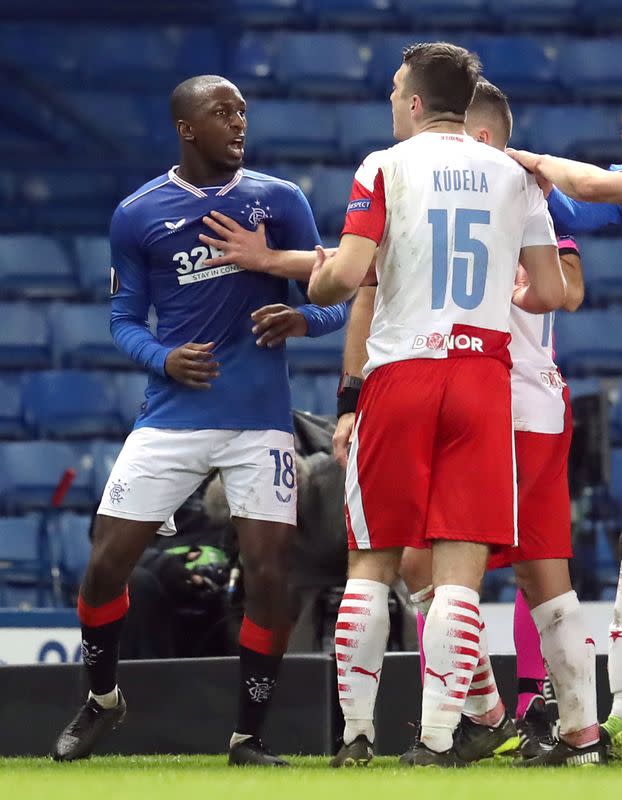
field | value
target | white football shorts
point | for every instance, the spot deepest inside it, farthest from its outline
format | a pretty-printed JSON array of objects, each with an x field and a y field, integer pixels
[{"x": 158, "y": 469}]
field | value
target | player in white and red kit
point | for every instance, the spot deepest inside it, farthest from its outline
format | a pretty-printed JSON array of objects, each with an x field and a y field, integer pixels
[
  {"x": 543, "y": 432},
  {"x": 542, "y": 456},
  {"x": 542, "y": 436},
  {"x": 432, "y": 453},
  {"x": 542, "y": 421}
]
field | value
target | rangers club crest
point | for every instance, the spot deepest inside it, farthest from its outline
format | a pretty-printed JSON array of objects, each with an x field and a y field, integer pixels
[
  {"x": 261, "y": 690},
  {"x": 257, "y": 214},
  {"x": 117, "y": 491}
]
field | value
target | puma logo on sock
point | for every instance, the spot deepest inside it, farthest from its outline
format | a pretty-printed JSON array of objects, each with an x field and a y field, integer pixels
[
  {"x": 363, "y": 671},
  {"x": 436, "y": 675}
]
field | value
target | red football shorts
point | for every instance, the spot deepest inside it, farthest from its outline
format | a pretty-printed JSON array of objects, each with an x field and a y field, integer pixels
[
  {"x": 543, "y": 496},
  {"x": 432, "y": 455}
]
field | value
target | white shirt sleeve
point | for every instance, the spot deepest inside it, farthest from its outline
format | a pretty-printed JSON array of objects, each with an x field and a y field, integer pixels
[{"x": 538, "y": 228}]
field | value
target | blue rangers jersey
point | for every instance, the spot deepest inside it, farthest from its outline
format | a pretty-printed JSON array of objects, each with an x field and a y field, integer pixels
[{"x": 158, "y": 259}]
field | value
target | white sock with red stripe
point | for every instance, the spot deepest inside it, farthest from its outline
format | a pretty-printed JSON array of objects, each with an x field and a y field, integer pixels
[
  {"x": 614, "y": 663},
  {"x": 570, "y": 658},
  {"x": 361, "y": 637},
  {"x": 483, "y": 704},
  {"x": 451, "y": 642}
]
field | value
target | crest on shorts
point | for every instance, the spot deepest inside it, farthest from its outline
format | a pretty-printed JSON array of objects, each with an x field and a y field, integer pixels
[
  {"x": 117, "y": 491},
  {"x": 283, "y": 499}
]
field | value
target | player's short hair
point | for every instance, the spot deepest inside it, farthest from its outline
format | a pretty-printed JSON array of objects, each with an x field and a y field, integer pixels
[
  {"x": 489, "y": 101},
  {"x": 443, "y": 75},
  {"x": 187, "y": 94}
]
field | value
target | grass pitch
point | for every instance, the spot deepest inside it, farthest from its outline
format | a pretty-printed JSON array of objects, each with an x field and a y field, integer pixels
[{"x": 172, "y": 777}]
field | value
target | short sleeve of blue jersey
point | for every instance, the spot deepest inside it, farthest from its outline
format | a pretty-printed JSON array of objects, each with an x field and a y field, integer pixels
[
  {"x": 298, "y": 231},
  {"x": 575, "y": 216},
  {"x": 130, "y": 297}
]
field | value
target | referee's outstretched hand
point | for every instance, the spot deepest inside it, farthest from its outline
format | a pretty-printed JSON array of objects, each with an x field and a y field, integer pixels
[{"x": 193, "y": 365}]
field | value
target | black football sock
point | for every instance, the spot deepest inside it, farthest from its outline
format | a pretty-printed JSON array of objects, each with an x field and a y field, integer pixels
[
  {"x": 101, "y": 633},
  {"x": 261, "y": 654}
]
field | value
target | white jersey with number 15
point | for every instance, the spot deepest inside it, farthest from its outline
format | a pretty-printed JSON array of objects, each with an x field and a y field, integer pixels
[{"x": 450, "y": 216}]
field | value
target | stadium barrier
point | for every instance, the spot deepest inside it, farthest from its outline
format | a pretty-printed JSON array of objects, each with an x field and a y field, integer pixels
[{"x": 188, "y": 706}]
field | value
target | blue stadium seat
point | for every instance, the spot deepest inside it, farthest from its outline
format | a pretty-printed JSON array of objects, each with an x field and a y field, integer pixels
[
  {"x": 31, "y": 471},
  {"x": 602, "y": 267},
  {"x": 82, "y": 339},
  {"x": 587, "y": 342},
  {"x": 93, "y": 257},
  {"x": 22, "y": 553},
  {"x": 133, "y": 57},
  {"x": 364, "y": 127},
  {"x": 323, "y": 353},
  {"x": 282, "y": 129},
  {"x": 304, "y": 394},
  {"x": 35, "y": 117},
  {"x": 522, "y": 66},
  {"x": 24, "y": 336},
  {"x": 65, "y": 404},
  {"x": 32, "y": 265},
  {"x": 523, "y": 123},
  {"x": 12, "y": 424},
  {"x": 615, "y": 482},
  {"x": 467, "y": 13},
  {"x": 592, "y": 68},
  {"x": 591, "y": 133},
  {"x": 526, "y": 14},
  {"x": 25, "y": 598},
  {"x": 321, "y": 64},
  {"x": 300, "y": 174},
  {"x": 386, "y": 57},
  {"x": 354, "y": 13},
  {"x": 199, "y": 51},
  {"x": 70, "y": 546},
  {"x": 46, "y": 49},
  {"x": 250, "y": 65},
  {"x": 326, "y": 389},
  {"x": 69, "y": 199},
  {"x": 104, "y": 454},
  {"x": 131, "y": 393},
  {"x": 126, "y": 119},
  {"x": 330, "y": 199}
]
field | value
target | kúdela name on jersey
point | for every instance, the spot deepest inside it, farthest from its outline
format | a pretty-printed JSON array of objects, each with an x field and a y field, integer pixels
[{"x": 459, "y": 180}]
